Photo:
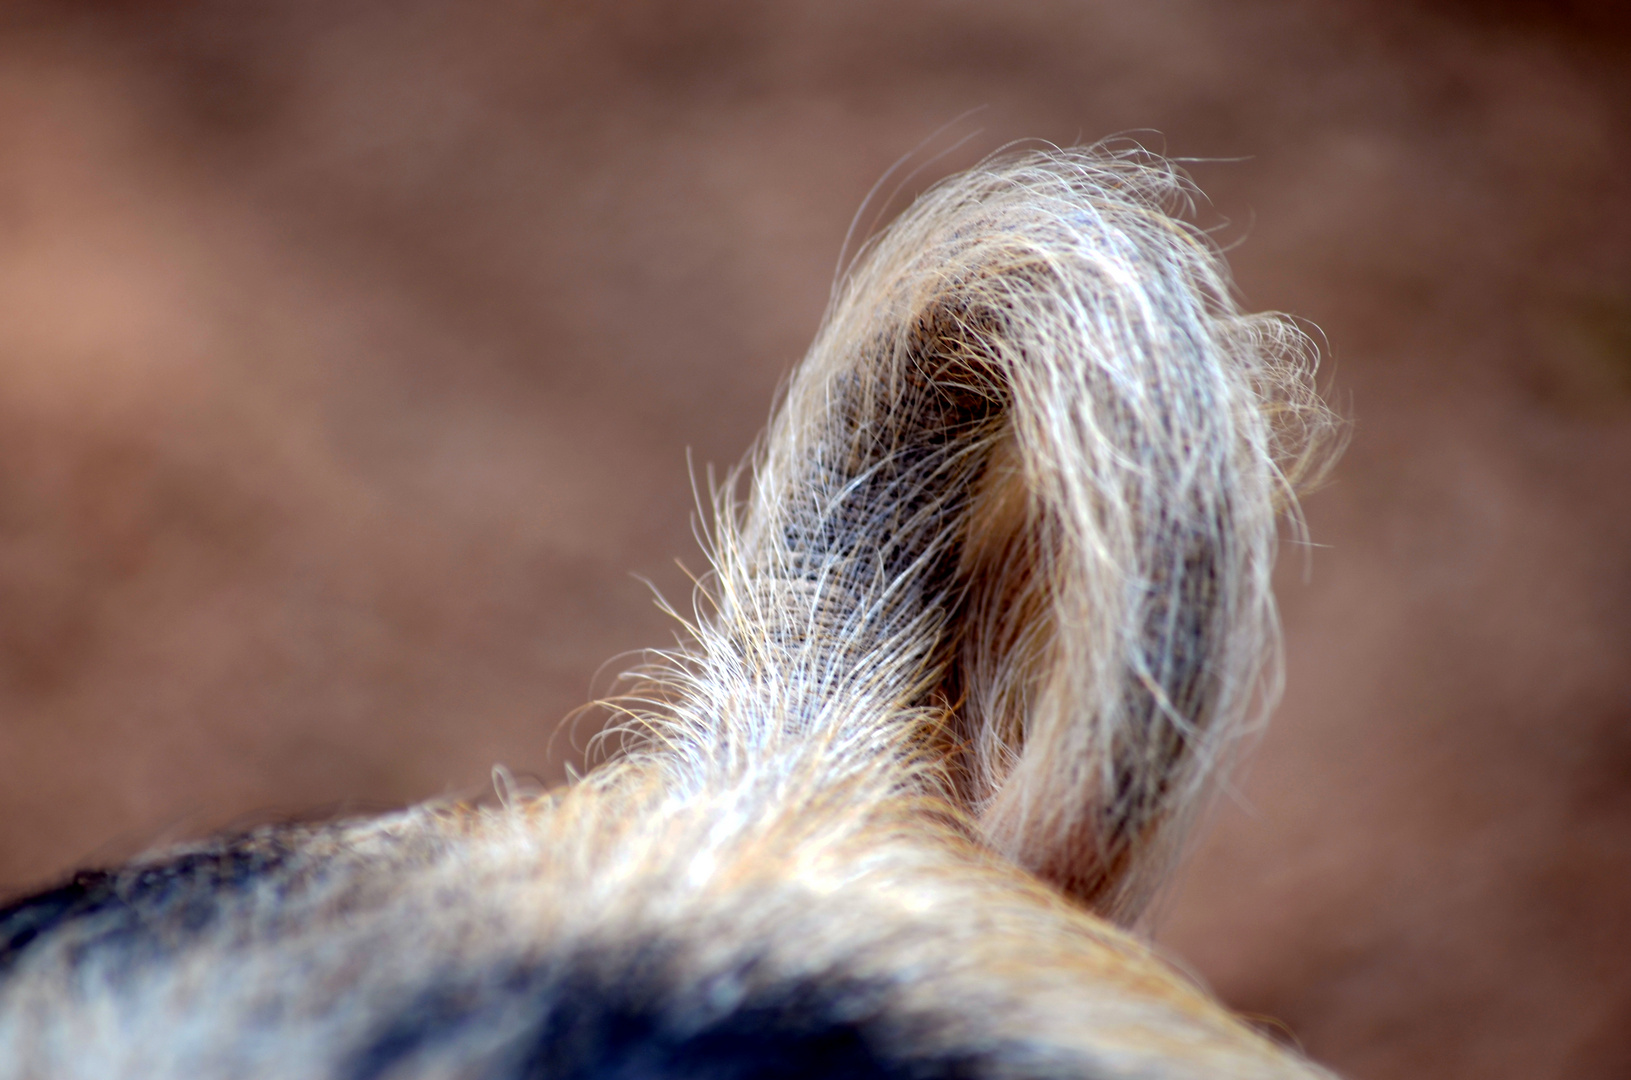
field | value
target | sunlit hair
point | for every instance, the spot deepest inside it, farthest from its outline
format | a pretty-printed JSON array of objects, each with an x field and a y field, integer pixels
[
  {"x": 1009, "y": 537},
  {"x": 988, "y": 606}
]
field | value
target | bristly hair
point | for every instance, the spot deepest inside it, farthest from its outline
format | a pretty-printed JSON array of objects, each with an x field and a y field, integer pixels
[
  {"x": 991, "y": 606},
  {"x": 1011, "y": 533}
]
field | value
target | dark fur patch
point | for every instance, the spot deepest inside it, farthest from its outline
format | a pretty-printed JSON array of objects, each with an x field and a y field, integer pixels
[
  {"x": 155, "y": 903},
  {"x": 628, "y": 1022}
]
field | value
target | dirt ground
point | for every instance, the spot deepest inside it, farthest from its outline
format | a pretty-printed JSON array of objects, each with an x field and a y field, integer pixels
[{"x": 350, "y": 355}]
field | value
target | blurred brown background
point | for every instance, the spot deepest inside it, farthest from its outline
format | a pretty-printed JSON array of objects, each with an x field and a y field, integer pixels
[{"x": 350, "y": 352}]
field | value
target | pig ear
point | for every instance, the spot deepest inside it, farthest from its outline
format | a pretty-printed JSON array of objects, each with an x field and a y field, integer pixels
[
  {"x": 1115, "y": 625},
  {"x": 1015, "y": 520}
]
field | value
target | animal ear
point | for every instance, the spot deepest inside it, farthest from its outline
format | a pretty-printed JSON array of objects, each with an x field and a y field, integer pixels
[
  {"x": 1018, "y": 508},
  {"x": 1114, "y": 626}
]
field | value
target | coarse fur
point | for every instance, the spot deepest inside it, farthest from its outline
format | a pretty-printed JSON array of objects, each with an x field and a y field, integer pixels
[{"x": 992, "y": 612}]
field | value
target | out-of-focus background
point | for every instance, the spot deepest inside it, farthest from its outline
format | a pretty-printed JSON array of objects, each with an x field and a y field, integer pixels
[{"x": 350, "y": 353}]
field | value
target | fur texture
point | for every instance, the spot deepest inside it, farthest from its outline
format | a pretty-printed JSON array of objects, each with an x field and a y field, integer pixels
[{"x": 993, "y": 610}]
